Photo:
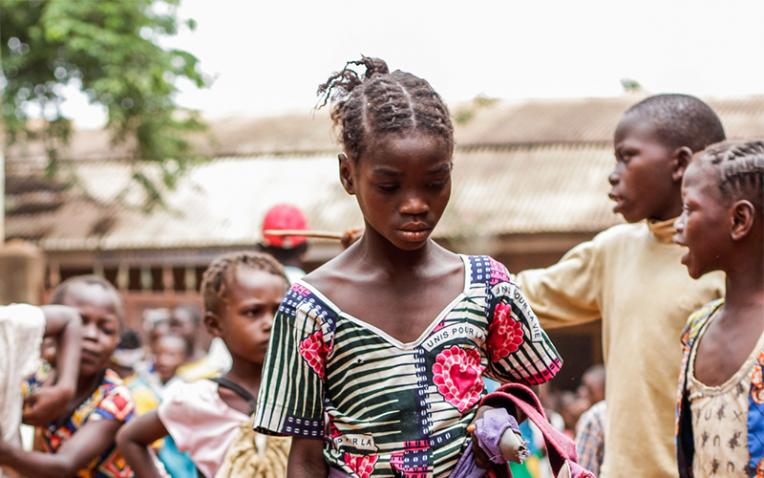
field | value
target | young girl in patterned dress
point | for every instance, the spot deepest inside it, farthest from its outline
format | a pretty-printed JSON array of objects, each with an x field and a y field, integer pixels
[
  {"x": 376, "y": 358},
  {"x": 721, "y": 407},
  {"x": 81, "y": 443}
]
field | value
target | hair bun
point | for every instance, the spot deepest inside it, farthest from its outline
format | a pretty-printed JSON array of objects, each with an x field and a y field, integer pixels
[
  {"x": 374, "y": 66},
  {"x": 341, "y": 83}
]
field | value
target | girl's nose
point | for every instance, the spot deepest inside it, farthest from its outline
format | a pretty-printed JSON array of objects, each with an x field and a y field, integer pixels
[
  {"x": 679, "y": 223},
  {"x": 90, "y": 331},
  {"x": 414, "y": 206},
  {"x": 613, "y": 178}
]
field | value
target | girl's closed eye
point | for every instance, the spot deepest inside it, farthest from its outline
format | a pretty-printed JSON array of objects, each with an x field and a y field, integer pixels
[
  {"x": 437, "y": 185},
  {"x": 388, "y": 187}
]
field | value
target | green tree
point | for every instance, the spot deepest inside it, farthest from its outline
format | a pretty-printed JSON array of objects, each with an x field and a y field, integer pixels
[{"x": 111, "y": 49}]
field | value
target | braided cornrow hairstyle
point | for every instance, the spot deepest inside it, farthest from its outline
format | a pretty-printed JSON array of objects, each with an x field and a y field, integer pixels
[
  {"x": 380, "y": 103},
  {"x": 740, "y": 166},
  {"x": 214, "y": 286}
]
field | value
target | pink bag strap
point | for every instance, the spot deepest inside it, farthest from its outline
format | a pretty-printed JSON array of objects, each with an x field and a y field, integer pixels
[{"x": 559, "y": 447}]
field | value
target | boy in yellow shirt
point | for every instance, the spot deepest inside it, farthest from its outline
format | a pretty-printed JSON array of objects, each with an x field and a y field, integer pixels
[{"x": 630, "y": 277}]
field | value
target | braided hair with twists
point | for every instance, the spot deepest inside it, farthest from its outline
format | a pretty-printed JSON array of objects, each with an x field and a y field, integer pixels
[
  {"x": 380, "y": 103},
  {"x": 214, "y": 287},
  {"x": 740, "y": 169}
]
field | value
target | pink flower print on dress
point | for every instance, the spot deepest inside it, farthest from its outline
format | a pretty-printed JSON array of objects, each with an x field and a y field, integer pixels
[
  {"x": 757, "y": 381},
  {"x": 505, "y": 335},
  {"x": 362, "y": 465},
  {"x": 457, "y": 373},
  {"x": 313, "y": 350},
  {"x": 498, "y": 272}
]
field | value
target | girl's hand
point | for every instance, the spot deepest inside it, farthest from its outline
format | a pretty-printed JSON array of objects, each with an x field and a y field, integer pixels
[
  {"x": 481, "y": 459},
  {"x": 350, "y": 236},
  {"x": 46, "y": 404}
]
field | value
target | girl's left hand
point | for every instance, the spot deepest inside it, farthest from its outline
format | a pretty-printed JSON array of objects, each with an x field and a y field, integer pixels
[{"x": 481, "y": 459}]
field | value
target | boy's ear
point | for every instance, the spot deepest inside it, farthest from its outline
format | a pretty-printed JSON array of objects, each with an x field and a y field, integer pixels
[
  {"x": 742, "y": 214},
  {"x": 212, "y": 323},
  {"x": 681, "y": 159},
  {"x": 346, "y": 173}
]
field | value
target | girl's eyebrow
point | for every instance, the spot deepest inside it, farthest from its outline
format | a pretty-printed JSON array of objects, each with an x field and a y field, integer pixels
[
  {"x": 443, "y": 168},
  {"x": 386, "y": 171}
]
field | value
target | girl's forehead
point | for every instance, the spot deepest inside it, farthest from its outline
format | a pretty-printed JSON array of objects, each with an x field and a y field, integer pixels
[
  {"x": 400, "y": 150},
  {"x": 245, "y": 281},
  {"x": 91, "y": 295}
]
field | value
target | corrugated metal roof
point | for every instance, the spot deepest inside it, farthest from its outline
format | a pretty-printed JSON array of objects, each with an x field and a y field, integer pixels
[
  {"x": 496, "y": 191},
  {"x": 499, "y": 122},
  {"x": 586, "y": 120}
]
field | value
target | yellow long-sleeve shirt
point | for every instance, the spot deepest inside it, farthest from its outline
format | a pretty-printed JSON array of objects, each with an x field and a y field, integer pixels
[{"x": 631, "y": 277}]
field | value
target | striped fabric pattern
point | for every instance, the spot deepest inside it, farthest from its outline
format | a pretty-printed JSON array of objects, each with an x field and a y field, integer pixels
[{"x": 386, "y": 408}]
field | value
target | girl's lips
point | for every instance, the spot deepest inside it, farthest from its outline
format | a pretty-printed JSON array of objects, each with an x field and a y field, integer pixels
[{"x": 414, "y": 236}]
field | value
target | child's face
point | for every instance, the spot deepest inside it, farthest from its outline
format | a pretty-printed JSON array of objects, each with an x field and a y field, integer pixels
[
  {"x": 171, "y": 353},
  {"x": 252, "y": 299},
  {"x": 402, "y": 184},
  {"x": 702, "y": 227},
  {"x": 643, "y": 180},
  {"x": 182, "y": 323},
  {"x": 101, "y": 325}
]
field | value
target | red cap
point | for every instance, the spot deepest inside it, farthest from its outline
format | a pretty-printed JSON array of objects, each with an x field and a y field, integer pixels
[{"x": 284, "y": 216}]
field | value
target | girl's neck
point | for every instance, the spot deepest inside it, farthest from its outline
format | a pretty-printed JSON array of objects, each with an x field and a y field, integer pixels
[
  {"x": 245, "y": 372},
  {"x": 379, "y": 251},
  {"x": 745, "y": 285}
]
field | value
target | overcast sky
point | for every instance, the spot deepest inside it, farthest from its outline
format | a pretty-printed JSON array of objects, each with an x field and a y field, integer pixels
[{"x": 268, "y": 57}]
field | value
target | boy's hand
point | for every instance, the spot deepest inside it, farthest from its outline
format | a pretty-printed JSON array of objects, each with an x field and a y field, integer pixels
[
  {"x": 46, "y": 404},
  {"x": 350, "y": 236}
]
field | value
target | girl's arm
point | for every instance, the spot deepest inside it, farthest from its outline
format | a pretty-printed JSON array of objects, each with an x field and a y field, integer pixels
[
  {"x": 134, "y": 439},
  {"x": 48, "y": 402},
  {"x": 89, "y": 442},
  {"x": 306, "y": 459}
]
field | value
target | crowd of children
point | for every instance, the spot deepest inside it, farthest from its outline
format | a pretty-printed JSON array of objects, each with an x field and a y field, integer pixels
[{"x": 377, "y": 362}]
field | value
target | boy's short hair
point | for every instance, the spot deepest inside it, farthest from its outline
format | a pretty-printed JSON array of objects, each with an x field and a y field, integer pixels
[
  {"x": 59, "y": 293},
  {"x": 680, "y": 120}
]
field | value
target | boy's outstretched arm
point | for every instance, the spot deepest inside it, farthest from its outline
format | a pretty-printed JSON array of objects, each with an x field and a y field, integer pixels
[
  {"x": 134, "y": 439},
  {"x": 48, "y": 403},
  {"x": 306, "y": 459},
  {"x": 567, "y": 293},
  {"x": 89, "y": 442}
]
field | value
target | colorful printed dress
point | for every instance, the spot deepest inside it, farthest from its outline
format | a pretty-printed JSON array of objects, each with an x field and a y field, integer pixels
[
  {"x": 386, "y": 408},
  {"x": 720, "y": 429},
  {"x": 110, "y": 401}
]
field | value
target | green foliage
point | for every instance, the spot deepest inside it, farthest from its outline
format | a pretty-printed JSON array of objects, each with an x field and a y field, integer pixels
[
  {"x": 111, "y": 50},
  {"x": 464, "y": 113}
]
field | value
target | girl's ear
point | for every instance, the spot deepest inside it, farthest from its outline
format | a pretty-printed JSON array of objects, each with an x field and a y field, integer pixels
[
  {"x": 681, "y": 159},
  {"x": 742, "y": 214},
  {"x": 346, "y": 173},
  {"x": 212, "y": 323}
]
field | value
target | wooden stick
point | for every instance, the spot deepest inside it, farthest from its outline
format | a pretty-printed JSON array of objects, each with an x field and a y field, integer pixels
[{"x": 296, "y": 232}]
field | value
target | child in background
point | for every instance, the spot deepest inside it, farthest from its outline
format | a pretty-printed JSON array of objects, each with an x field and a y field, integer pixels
[
  {"x": 590, "y": 430},
  {"x": 22, "y": 328},
  {"x": 82, "y": 441},
  {"x": 186, "y": 321},
  {"x": 128, "y": 360},
  {"x": 721, "y": 406},
  {"x": 376, "y": 358},
  {"x": 630, "y": 277},
  {"x": 241, "y": 293},
  {"x": 288, "y": 250}
]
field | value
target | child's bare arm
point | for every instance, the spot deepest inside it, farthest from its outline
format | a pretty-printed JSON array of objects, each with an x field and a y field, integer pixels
[
  {"x": 89, "y": 442},
  {"x": 306, "y": 459},
  {"x": 46, "y": 404},
  {"x": 134, "y": 439}
]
